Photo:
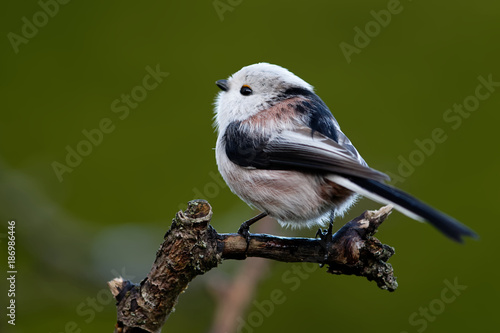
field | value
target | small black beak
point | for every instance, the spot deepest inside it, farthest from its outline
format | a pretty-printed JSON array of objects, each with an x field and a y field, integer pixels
[{"x": 222, "y": 84}]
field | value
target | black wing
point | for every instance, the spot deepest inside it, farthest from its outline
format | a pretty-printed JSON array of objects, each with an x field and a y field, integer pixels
[{"x": 301, "y": 149}]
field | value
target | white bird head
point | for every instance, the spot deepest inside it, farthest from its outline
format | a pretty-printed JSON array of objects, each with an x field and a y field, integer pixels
[{"x": 252, "y": 89}]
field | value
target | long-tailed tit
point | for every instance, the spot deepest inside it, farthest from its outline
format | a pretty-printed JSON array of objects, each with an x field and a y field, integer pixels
[{"x": 280, "y": 149}]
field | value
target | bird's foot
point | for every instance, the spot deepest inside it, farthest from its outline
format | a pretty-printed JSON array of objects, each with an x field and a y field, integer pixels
[
  {"x": 244, "y": 231},
  {"x": 326, "y": 239},
  {"x": 326, "y": 235}
]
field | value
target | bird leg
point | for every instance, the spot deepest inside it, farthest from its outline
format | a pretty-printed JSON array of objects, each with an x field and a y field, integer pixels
[
  {"x": 244, "y": 229},
  {"x": 326, "y": 237}
]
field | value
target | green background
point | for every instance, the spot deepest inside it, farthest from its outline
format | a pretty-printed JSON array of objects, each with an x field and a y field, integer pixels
[{"x": 107, "y": 217}]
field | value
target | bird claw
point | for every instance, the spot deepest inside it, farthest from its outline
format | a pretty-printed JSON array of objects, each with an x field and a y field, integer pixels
[
  {"x": 320, "y": 233},
  {"x": 326, "y": 240},
  {"x": 244, "y": 231},
  {"x": 326, "y": 235}
]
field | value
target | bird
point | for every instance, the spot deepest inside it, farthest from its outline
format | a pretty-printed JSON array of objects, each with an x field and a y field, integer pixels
[{"x": 281, "y": 150}]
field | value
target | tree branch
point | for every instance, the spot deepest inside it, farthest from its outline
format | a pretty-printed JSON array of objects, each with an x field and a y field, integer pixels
[
  {"x": 233, "y": 294},
  {"x": 192, "y": 247}
]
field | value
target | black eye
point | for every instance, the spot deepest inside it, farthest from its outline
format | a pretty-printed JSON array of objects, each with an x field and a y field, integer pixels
[{"x": 246, "y": 90}]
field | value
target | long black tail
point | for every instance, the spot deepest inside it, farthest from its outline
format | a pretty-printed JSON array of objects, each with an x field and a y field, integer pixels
[{"x": 408, "y": 205}]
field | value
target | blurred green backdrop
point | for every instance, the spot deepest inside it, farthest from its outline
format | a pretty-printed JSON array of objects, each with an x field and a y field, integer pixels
[{"x": 67, "y": 72}]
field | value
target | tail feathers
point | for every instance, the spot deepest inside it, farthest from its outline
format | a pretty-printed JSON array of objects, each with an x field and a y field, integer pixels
[{"x": 407, "y": 205}]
